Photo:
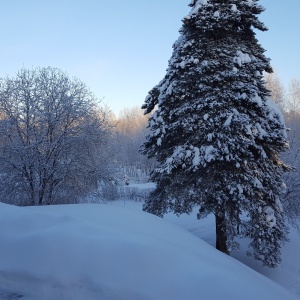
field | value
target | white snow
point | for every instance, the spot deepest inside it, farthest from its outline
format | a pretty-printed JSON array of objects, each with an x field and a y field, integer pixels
[
  {"x": 248, "y": 128},
  {"x": 196, "y": 160},
  {"x": 210, "y": 137},
  {"x": 279, "y": 204},
  {"x": 188, "y": 153},
  {"x": 142, "y": 186},
  {"x": 287, "y": 274},
  {"x": 209, "y": 153},
  {"x": 269, "y": 215},
  {"x": 196, "y": 6},
  {"x": 186, "y": 61},
  {"x": 157, "y": 132},
  {"x": 234, "y": 8},
  {"x": 244, "y": 96},
  {"x": 182, "y": 64},
  {"x": 241, "y": 58},
  {"x": 228, "y": 121},
  {"x": 257, "y": 183},
  {"x": 217, "y": 14},
  {"x": 276, "y": 112},
  {"x": 240, "y": 189},
  {"x": 255, "y": 97},
  {"x": 114, "y": 253},
  {"x": 261, "y": 131},
  {"x": 170, "y": 89}
]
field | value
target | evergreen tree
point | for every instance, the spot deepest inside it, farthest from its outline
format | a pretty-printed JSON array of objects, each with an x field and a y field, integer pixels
[{"x": 215, "y": 133}]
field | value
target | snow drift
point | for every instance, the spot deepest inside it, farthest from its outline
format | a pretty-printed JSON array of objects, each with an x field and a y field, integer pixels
[{"x": 106, "y": 252}]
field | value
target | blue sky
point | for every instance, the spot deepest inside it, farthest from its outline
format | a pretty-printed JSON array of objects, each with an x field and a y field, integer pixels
[{"x": 119, "y": 48}]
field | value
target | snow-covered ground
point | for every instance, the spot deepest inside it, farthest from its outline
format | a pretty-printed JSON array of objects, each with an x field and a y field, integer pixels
[
  {"x": 287, "y": 274},
  {"x": 116, "y": 252}
]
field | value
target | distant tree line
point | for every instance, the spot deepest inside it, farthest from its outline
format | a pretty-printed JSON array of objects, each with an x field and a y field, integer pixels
[
  {"x": 129, "y": 132},
  {"x": 288, "y": 99}
]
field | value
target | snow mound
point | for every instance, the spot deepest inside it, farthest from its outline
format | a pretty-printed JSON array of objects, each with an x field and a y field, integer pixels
[{"x": 92, "y": 251}]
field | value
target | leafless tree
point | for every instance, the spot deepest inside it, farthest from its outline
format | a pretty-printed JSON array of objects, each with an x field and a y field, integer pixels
[
  {"x": 294, "y": 95},
  {"x": 52, "y": 138},
  {"x": 289, "y": 103},
  {"x": 274, "y": 84},
  {"x": 130, "y": 132},
  {"x": 291, "y": 199}
]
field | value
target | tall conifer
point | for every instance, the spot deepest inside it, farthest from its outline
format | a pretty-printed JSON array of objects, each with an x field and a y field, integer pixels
[{"x": 216, "y": 134}]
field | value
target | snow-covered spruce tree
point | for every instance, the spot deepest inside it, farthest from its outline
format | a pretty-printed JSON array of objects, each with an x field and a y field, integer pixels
[{"x": 215, "y": 133}]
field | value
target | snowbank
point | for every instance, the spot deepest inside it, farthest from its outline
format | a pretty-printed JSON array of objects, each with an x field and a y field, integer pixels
[{"x": 107, "y": 252}]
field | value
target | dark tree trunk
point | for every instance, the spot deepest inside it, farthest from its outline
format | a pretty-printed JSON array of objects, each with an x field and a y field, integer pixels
[{"x": 221, "y": 239}]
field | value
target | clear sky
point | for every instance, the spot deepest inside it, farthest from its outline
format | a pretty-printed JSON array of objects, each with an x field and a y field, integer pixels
[{"x": 120, "y": 48}]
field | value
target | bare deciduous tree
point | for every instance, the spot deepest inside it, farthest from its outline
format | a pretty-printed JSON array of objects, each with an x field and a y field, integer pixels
[
  {"x": 292, "y": 179},
  {"x": 294, "y": 95},
  {"x": 131, "y": 129},
  {"x": 289, "y": 101},
  {"x": 52, "y": 134},
  {"x": 274, "y": 84}
]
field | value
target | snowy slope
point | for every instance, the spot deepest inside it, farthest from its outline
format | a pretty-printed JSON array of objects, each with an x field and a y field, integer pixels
[
  {"x": 108, "y": 252},
  {"x": 287, "y": 274}
]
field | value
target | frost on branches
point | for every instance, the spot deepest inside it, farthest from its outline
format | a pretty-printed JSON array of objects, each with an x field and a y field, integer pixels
[{"x": 215, "y": 133}]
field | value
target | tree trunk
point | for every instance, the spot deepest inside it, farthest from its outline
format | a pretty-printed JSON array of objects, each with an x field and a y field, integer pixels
[{"x": 221, "y": 239}]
